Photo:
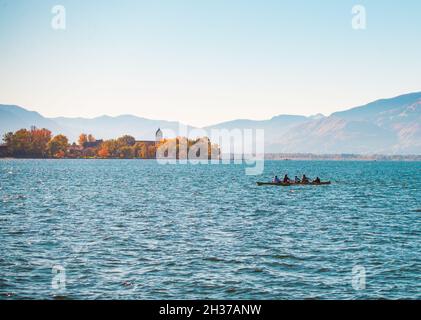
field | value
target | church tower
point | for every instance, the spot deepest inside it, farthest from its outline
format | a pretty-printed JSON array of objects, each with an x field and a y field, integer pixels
[{"x": 158, "y": 135}]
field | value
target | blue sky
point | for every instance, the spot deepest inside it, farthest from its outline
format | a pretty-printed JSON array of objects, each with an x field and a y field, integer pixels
[{"x": 204, "y": 62}]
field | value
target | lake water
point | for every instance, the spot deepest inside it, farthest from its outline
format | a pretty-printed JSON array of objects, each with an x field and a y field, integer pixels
[{"x": 132, "y": 229}]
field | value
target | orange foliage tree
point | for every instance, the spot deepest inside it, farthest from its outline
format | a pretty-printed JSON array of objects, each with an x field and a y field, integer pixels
[
  {"x": 103, "y": 152},
  {"x": 58, "y": 146},
  {"x": 83, "y": 138},
  {"x": 28, "y": 143}
]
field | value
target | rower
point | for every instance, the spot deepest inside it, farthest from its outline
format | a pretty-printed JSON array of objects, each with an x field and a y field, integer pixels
[
  {"x": 286, "y": 179},
  {"x": 276, "y": 180},
  {"x": 297, "y": 180},
  {"x": 317, "y": 180},
  {"x": 305, "y": 179}
]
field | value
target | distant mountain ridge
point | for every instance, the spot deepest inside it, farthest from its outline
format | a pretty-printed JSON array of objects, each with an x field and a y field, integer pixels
[
  {"x": 106, "y": 127},
  {"x": 386, "y": 126}
]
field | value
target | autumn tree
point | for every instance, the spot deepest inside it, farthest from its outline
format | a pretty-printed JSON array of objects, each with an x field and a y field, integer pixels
[
  {"x": 140, "y": 150},
  {"x": 39, "y": 140},
  {"x": 19, "y": 143},
  {"x": 126, "y": 152},
  {"x": 126, "y": 141},
  {"x": 38, "y": 143},
  {"x": 83, "y": 138},
  {"x": 103, "y": 152},
  {"x": 91, "y": 138},
  {"x": 112, "y": 148},
  {"x": 60, "y": 155},
  {"x": 151, "y": 152},
  {"x": 24, "y": 143},
  {"x": 58, "y": 146},
  {"x": 123, "y": 147}
]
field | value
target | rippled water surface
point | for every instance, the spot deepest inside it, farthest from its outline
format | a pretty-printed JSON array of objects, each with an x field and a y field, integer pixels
[{"x": 139, "y": 230}]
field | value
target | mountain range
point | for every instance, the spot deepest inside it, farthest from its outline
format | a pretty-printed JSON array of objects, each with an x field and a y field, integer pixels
[{"x": 386, "y": 126}]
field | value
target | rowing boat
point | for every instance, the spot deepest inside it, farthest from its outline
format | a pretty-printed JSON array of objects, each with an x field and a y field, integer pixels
[{"x": 282, "y": 184}]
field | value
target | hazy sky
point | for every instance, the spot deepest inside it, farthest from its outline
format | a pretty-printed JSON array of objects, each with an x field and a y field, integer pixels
[{"x": 203, "y": 62}]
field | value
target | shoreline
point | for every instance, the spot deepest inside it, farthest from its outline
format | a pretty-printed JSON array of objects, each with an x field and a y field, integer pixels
[
  {"x": 341, "y": 157},
  {"x": 334, "y": 158}
]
